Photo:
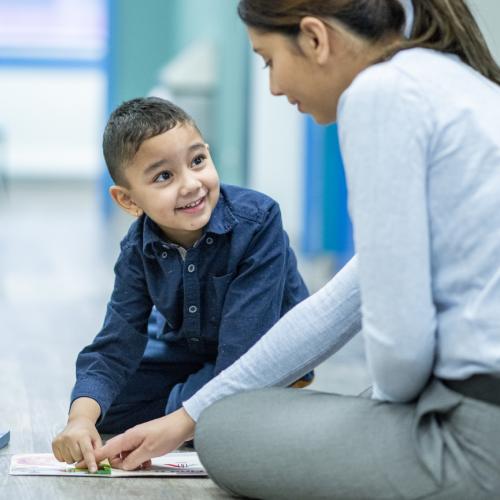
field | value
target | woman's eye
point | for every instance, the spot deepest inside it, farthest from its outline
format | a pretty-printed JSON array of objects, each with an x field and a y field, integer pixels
[
  {"x": 267, "y": 64},
  {"x": 162, "y": 177},
  {"x": 199, "y": 160}
]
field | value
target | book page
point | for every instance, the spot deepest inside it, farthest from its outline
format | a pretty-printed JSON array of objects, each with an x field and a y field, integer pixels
[{"x": 45, "y": 464}]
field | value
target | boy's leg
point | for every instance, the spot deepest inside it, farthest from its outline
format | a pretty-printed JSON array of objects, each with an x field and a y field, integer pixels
[
  {"x": 287, "y": 443},
  {"x": 145, "y": 396}
]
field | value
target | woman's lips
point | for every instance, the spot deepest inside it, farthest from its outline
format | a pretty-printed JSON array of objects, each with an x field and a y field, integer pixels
[{"x": 296, "y": 103}]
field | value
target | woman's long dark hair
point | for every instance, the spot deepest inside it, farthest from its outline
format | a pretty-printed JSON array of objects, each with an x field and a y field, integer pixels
[{"x": 443, "y": 25}]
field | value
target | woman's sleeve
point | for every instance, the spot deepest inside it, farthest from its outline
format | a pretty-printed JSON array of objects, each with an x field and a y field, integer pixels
[
  {"x": 309, "y": 333},
  {"x": 386, "y": 134}
]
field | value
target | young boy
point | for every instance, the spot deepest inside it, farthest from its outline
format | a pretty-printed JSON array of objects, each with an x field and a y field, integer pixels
[{"x": 213, "y": 261}]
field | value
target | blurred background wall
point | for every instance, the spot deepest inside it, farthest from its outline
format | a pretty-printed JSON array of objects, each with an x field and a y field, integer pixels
[
  {"x": 52, "y": 87},
  {"x": 65, "y": 64}
]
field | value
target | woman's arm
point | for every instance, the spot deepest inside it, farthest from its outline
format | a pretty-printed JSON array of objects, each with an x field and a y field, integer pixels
[
  {"x": 386, "y": 128},
  {"x": 309, "y": 333},
  {"x": 305, "y": 336}
]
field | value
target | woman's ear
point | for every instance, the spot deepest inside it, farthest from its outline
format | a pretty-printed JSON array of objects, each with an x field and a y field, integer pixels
[
  {"x": 314, "y": 39},
  {"x": 121, "y": 197}
]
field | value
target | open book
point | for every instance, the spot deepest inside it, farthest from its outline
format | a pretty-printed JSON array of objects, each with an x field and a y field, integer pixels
[{"x": 45, "y": 464}]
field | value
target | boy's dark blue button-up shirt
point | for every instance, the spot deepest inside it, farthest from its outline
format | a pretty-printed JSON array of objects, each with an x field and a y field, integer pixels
[{"x": 229, "y": 289}]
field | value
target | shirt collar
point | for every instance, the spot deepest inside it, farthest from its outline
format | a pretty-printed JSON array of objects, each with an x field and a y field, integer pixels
[
  {"x": 152, "y": 236},
  {"x": 222, "y": 221}
]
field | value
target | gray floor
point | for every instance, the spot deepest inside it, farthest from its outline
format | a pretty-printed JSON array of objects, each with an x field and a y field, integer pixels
[{"x": 56, "y": 259}]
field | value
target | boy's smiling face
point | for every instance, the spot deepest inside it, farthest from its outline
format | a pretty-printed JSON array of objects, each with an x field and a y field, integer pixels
[{"x": 173, "y": 180}]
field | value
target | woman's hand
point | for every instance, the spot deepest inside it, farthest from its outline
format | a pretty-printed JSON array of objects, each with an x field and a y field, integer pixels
[{"x": 136, "y": 446}]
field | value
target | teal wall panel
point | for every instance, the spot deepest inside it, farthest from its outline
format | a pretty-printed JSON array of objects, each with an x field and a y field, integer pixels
[
  {"x": 337, "y": 230},
  {"x": 145, "y": 35},
  {"x": 327, "y": 227},
  {"x": 217, "y": 20}
]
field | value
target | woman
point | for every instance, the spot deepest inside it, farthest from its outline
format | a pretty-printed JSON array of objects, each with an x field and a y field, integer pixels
[{"x": 418, "y": 119}]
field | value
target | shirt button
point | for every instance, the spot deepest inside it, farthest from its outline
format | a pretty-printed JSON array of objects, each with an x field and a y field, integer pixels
[
  {"x": 192, "y": 309},
  {"x": 164, "y": 255},
  {"x": 191, "y": 268},
  {"x": 210, "y": 240}
]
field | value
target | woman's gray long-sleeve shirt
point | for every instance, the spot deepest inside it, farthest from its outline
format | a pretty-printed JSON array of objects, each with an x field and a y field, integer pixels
[{"x": 420, "y": 140}]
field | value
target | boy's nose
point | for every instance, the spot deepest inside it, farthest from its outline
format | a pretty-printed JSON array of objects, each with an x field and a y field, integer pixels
[{"x": 189, "y": 184}]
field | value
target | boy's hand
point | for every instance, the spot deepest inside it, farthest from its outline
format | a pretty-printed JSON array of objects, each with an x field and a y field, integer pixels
[
  {"x": 77, "y": 442},
  {"x": 135, "y": 447}
]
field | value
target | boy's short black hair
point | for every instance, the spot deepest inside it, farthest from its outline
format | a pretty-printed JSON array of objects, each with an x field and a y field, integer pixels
[{"x": 133, "y": 122}]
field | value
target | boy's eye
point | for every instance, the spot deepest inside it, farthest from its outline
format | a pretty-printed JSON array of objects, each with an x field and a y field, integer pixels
[
  {"x": 199, "y": 160},
  {"x": 162, "y": 177}
]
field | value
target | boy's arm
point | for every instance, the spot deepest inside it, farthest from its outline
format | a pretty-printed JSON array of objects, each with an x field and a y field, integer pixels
[
  {"x": 104, "y": 366},
  {"x": 86, "y": 408},
  {"x": 80, "y": 438},
  {"x": 266, "y": 286},
  {"x": 184, "y": 390}
]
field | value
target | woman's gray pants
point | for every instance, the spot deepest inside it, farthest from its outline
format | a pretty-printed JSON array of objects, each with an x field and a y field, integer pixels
[{"x": 300, "y": 444}]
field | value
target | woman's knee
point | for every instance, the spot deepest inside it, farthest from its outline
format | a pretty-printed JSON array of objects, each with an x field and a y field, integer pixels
[
  {"x": 211, "y": 436},
  {"x": 211, "y": 444}
]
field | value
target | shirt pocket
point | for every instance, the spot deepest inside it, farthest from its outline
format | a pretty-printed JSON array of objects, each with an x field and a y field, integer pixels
[{"x": 217, "y": 287}]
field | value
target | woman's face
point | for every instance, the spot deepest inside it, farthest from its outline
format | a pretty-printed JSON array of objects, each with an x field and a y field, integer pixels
[{"x": 311, "y": 70}]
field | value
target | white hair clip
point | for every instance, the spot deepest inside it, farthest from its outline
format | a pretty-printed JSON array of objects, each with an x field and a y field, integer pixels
[{"x": 409, "y": 13}]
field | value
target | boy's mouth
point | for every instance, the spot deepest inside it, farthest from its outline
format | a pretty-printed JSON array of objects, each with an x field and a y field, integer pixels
[{"x": 194, "y": 206}]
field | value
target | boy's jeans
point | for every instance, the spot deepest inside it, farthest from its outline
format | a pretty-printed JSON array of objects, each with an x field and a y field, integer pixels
[{"x": 146, "y": 393}]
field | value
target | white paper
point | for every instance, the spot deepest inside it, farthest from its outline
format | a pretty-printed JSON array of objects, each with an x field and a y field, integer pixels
[{"x": 45, "y": 464}]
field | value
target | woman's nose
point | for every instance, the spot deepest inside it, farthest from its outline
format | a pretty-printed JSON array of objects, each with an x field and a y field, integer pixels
[{"x": 273, "y": 85}]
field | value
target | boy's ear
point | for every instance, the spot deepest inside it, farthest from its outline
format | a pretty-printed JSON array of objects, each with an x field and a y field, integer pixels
[{"x": 121, "y": 197}]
